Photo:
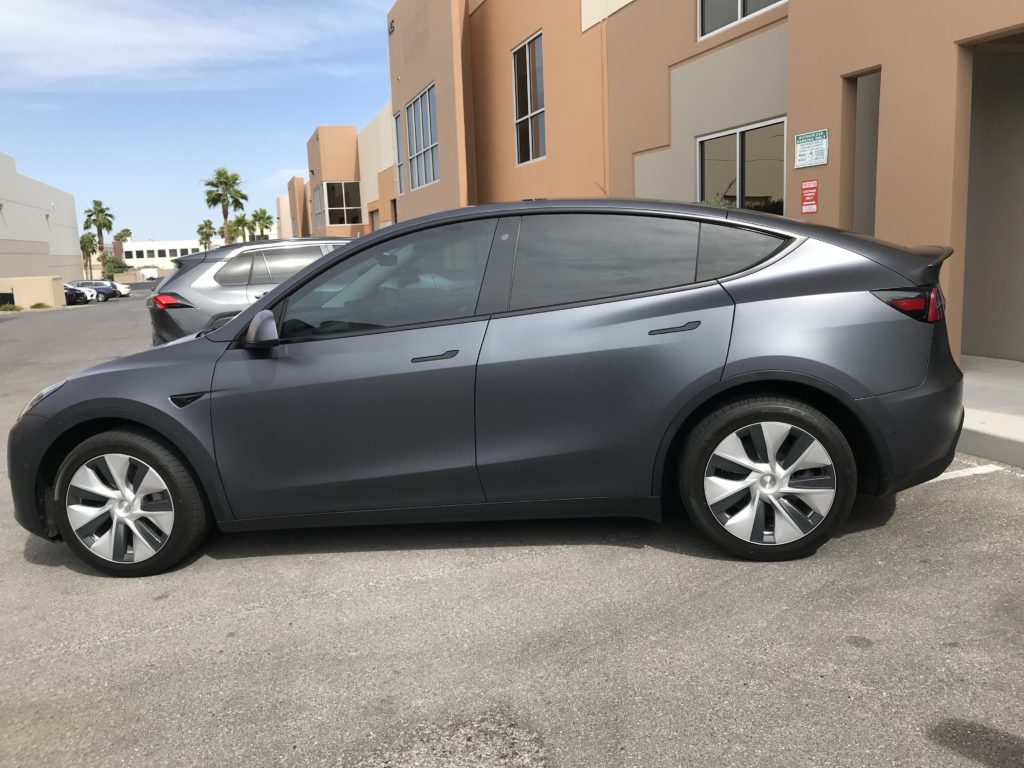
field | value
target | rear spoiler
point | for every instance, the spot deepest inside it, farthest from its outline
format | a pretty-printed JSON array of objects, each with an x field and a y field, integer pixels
[{"x": 921, "y": 264}]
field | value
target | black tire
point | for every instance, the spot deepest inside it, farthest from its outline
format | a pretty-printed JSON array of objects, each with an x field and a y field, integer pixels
[
  {"x": 190, "y": 520},
  {"x": 705, "y": 438}
]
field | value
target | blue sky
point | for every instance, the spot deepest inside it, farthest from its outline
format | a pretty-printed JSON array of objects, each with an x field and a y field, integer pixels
[{"x": 135, "y": 102}]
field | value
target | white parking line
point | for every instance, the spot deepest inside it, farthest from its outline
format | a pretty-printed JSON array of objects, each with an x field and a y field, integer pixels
[{"x": 982, "y": 470}]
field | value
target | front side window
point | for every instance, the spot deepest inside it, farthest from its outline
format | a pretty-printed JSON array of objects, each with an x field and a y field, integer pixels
[
  {"x": 528, "y": 66},
  {"x": 568, "y": 258},
  {"x": 745, "y": 168},
  {"x": 421, "y": 125},
  {"x": 424, "y": 277},
  {"x": 715, "y": 14}
]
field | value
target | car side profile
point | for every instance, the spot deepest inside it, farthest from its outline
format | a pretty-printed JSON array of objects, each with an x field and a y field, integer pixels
[
  {"x": 210, "y": 287},
  {"x": 534, "y": 359},
  {"x": 103, "y": 289}
]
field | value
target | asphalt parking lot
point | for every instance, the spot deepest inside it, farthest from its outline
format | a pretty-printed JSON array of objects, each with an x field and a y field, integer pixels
[{"x": 576, "y": 643}]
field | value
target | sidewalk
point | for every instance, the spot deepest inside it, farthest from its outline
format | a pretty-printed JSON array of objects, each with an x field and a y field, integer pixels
[{"x": 994, "y": 401}]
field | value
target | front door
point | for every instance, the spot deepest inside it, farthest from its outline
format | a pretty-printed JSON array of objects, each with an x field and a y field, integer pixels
[{"x": 367, "y": 403}]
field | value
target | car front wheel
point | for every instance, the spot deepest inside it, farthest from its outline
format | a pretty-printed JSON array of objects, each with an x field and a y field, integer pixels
[
  {"x": 768, "y": 478},
  {"x": 127, "y": 505}
]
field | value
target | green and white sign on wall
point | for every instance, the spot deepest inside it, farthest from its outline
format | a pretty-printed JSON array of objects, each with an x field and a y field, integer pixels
[{"x": 811, "y": 149}]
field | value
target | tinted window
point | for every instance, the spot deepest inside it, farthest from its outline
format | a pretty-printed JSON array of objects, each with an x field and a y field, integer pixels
[
  {"x": 727, "y": 250},
  {"x": 260, "y": 274},
  {"x": 285, "y": 262},
  {"x": 424, "y": 277},
  {"x": 235, "y": 272},
  {"x": 565, "y": 258}
]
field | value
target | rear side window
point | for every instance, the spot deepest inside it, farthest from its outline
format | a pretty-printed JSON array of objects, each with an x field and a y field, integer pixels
[
  {"x": 728, "y": 250},
  {"x": 568, "y": 258},
  {"x": 236, "y": 271},
  {"x": 285, "y": 262}
]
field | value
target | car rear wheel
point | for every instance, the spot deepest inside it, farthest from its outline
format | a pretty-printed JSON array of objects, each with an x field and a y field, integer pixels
[
  {"x": 768, "y": 478},
  {"x": 101, "y": 297},
  {"x": 127, "y": 505}
]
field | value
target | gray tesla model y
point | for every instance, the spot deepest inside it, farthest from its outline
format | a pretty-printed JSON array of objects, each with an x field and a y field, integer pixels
[{"x": 533, "y": 359}]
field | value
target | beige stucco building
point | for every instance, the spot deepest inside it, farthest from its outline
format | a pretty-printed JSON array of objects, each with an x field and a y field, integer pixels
[
  {"x": 38, "y": 231},
  {"x": 922, "y": 102}
]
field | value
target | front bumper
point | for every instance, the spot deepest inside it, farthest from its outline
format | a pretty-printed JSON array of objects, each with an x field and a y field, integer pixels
[{"x": 26, "y": 447}]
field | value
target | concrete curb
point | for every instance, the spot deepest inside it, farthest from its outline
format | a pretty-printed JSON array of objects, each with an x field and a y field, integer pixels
[{"x": 994, "y": 447}]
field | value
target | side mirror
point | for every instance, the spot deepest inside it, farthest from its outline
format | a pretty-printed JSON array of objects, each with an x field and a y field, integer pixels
[{"x": 262, "y": 331}]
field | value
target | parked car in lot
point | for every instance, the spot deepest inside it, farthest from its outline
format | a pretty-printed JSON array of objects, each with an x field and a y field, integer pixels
[
  {"x": 149, "y": 273},
  {"x": 210, "y": 287},
  {"x": 73, "y": 296},
  {"x": 90, "y": 293},
  {"x": 104, "y": 290},
  {"x": 538, "y": 359},
  {"x": 123, "y": 289}
]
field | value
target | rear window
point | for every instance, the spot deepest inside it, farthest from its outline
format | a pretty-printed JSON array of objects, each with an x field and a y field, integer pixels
[
  {"x": 285, "y": 262},
  {"x": 728, "y": 250},
  {"x": 235, "y": 271},
  {"x": 568, "y": 258}
]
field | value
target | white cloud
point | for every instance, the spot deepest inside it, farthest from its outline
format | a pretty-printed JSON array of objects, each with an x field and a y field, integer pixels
[{"x": 71, "y": 43}]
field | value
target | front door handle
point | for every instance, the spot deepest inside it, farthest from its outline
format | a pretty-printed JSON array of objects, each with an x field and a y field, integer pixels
[
  {"x": 443, "y": 356},
  {"x": 690, "y": 326}
]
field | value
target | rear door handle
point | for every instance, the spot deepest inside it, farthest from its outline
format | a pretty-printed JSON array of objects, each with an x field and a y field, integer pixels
[
  {"x": 443, "y": 356},
  {"x": 675, "y": 329}
]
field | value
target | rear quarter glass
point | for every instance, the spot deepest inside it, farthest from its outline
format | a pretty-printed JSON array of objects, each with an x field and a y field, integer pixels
[{"x": 727, "y": 250}]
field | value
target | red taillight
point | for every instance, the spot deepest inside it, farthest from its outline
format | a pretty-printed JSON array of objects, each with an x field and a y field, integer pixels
[
  {"x": 925, "y": 304},
  {"x": 168, "y": 301}
]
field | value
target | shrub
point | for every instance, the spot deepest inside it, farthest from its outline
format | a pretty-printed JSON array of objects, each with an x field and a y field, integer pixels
[
  {"x": 9, "y": 308},
  {"x": 40, "y": 305}
]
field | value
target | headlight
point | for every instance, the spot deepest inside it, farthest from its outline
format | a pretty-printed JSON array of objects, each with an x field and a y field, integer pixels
[{"x": 40, "y": 397}]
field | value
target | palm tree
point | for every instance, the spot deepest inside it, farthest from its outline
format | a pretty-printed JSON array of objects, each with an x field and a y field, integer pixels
[
  {"x": 98, "y": 216},
  {"x": 87, "y": 243},
  {"x": 238, "y": 227},
  {"x": 123, "y": 235},
  {"x": 205, "y": 231},
  {"x": 223, "y": 190},
  {"x": 262, "y": 221}
]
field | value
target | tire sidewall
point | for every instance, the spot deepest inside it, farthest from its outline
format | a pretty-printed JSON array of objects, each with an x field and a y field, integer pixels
[
  {"x": 718, "y": 425},
  {"x": 181, "y": 489}
]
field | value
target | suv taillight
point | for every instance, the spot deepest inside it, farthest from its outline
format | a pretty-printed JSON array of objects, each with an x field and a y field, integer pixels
[
  {"x": 925, "y": 304},
  {"x": 168, "y": 301}
]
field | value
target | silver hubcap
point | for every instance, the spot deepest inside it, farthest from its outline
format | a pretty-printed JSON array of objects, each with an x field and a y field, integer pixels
[
  {"x": 120, "y": 508},
  {"x": 770, "y": 483}
]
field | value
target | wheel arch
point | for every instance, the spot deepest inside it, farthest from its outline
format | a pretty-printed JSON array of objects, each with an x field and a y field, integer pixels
[
  {"x": 869, "y": 449},
  {"x": 206, "y": 477}
]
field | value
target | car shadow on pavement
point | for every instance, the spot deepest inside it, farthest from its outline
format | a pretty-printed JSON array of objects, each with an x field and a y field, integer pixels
[
  {"x": 981, "y": 743},
  {"x": 676, "y": 535}
]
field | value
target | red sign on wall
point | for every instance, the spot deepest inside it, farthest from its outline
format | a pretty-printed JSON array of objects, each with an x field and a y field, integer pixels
[{"x": 809, "y": 196}]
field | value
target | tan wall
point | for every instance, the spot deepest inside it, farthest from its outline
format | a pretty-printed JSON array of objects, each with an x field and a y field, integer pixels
[
  {"x": 284, "y": 217},
  {"x": 333, "y": 154},
  {"x": 575, "y": 164},
  {"x": 697, "y": 108},
  {"x": 428, "y": 46},
  {"x": 646, "y": 39},
  {"x": 298, "y": 206},
  {"x": 924, "y": 126},
  {"x": 32, "y": 290},
  {"x": 376, "y": 153},
  {"x": 386, "y": 192}
]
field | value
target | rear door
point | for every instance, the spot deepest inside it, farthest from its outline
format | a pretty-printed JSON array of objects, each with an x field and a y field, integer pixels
[
  {"x": 272, "y": 266},
  {"x": 606, "y": 338}
]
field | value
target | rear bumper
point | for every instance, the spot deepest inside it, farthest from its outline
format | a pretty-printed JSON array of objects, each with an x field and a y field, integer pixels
[{"x": 919, "y": 427}]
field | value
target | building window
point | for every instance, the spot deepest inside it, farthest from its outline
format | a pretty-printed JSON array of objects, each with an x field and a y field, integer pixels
[
  {"x": 715, "y": 14},
  {"x": 528, "y": 71},
  {"x": 337, "y": 202},
  {"x": 161, "y": 254},
  {"x": 149, "y": 254},
  {"x": 399, "y": 162},
  {"x": 394, "y": 211},
  {"x": 174, "y": 253},
  {"x": 745, "y": 168},
  {"x": 127, "y": 254},
  {"x": 421, "y": 127}
]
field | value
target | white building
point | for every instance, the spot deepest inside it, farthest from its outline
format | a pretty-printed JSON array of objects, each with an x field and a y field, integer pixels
[{"x": 38, "y": 227}]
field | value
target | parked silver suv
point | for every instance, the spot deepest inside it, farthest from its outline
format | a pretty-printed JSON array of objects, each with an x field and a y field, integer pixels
[{"x": 209, "y": 288}]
